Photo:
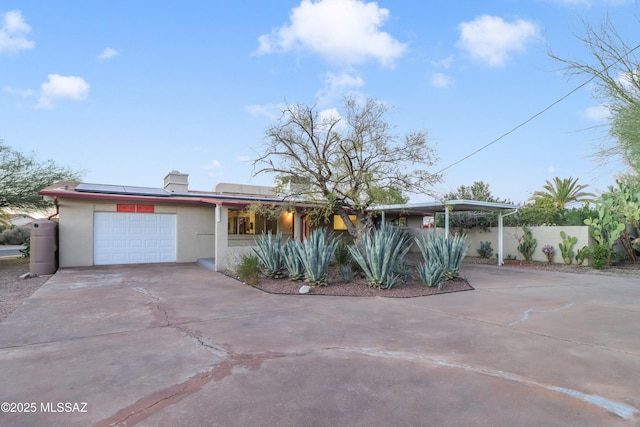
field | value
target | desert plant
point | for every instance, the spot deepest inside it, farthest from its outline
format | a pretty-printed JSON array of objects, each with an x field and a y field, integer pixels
[
  {"x": 431, "y": 272},
  {"x": 379, "y": 254},
  {"x": 316, "y": 253},
  {"x": 485, "y": 250},
  {"x": 341, "y": 254},
  {"x": 269, "y": 253},
  {"x": 600, "y": 256},
  {"x": 292, "y": 260},
  {"x": 26, "y": 251},
  {"x": 527, "y": 244},
  {"x": 449, "y": 251},
  {"x": 550, "y": 252},
  {"x": 566, "y": 247},
  {"x": 248, "y": 268},
  {"x": 403, "y": 270},
  {"x": 344, "y": 261},
  {"x": 582, "y": 254}
]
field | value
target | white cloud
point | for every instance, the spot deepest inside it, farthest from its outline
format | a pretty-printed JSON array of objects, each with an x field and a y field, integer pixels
[
  {"x": 108, "y": 53},
  {"x": 13, "y": 33},
  {"x": 215, "y": 164},
  {"x": 443, "y": 63},
  {"x": 214, "y": 169},
  {"x": 342, "y": 31},
  {"x": 552, "y": 169},
  {"x": 244, "y": 159},
  {"x": 441, "y": 80},
  {"x": 23, "y": 93},
  {"x": 491, "y": 39},
  {"x": 62, "y": 87},
  {"x": 598, "y": 113},
  {"x": 338, "y": 85},
  {"x": 270, "y": 111}
]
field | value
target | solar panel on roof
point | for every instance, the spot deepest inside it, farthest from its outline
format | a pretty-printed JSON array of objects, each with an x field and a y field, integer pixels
[{"x": 119, "y": 189}]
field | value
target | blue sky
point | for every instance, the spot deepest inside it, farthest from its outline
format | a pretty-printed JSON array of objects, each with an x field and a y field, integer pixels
[{"x": 128, "y": 91}]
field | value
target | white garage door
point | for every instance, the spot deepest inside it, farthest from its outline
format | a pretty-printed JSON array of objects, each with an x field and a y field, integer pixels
[{"x": 133, "y": 238}]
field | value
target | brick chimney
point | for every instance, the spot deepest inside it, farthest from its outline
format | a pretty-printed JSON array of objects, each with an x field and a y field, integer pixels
[{"x": 176, "y": 182}]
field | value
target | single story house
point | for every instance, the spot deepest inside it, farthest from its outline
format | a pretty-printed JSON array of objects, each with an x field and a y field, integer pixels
[{"x": 111, "y": 224}]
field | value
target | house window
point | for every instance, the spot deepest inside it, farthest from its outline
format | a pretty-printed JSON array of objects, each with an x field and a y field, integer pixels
[
  {"x": 400, "y": 222},
  {"x": 338, "y": 223},
  {"x": 246, "y": 222}
]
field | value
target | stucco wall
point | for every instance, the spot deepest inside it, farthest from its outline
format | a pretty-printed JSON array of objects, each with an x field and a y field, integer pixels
[
  {"x": 195, "y": 231},
  {"x": 544, "y": 235}
]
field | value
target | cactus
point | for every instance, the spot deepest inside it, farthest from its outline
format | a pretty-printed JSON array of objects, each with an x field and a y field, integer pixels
[
  {"x": 527, "y": 244},
  {"x": 566, "y": 247},
  {"x": 485, "y": 250}
]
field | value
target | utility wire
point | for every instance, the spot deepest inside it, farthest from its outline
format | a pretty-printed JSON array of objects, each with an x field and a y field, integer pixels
[{"x": 539, "y": 113}]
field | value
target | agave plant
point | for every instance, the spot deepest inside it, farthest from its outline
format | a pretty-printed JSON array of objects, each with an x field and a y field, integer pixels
[
  {"x": 270, "y": 255},
  {"x": 379, "y": 254},
  {"x": 447, "y": 251},
  {"x": 316, "y": 253},
  {"x": 431, "y": 272},
  {"x": 292, "y": 260}
]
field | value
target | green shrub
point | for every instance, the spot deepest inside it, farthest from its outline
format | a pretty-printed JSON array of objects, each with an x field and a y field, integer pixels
[
  {"x": 448, "y": 251},
  {"x": 527, "y": 244},
  {"x": 248, "y": 269},
  {"x": 582, "y": 254},
  {"x": 292, "y": 260},
  {"x": 269, "y": 253},
  {"x": 316, "y": 253},
  {"x": 485, "y": 250},
  {"x": 15, "y": 235},
  {"x": 600, "y": 255},
  {"x": 379, "y": 254}
]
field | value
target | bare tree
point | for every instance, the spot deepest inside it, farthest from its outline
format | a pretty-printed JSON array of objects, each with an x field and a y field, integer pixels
[{"x": 345, "y": 163}]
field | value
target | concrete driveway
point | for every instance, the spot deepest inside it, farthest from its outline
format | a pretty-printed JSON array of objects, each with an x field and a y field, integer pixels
[{"x": 179, "y": 345}]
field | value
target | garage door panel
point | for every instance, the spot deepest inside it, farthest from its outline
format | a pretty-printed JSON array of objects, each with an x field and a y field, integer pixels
[{"x": 133, "y": 238}]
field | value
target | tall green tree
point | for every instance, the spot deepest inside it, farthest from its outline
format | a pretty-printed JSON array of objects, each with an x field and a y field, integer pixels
[
  {"x": 563, "y": 192},
  {"x": 479, "y": 190},
  {"x": 22, "y": 176},
  {"x": 613, "y": 67},
  {"x": 345, "y": 162}
]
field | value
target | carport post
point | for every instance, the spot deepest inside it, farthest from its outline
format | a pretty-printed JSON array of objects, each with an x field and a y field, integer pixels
[
  {"x": 446, "y": 222},
  {"x": 221, "y": 237},
  {"x": 500, "y": 239}
]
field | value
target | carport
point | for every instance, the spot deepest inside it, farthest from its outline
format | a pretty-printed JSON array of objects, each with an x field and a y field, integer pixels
[{"x": 431, "y": 208}]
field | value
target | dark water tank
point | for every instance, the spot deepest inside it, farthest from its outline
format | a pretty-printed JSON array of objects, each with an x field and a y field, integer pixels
[{"x": 43, "y": 258}]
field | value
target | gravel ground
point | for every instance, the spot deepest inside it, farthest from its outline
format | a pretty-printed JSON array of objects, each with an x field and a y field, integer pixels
[{"x": 13, "y": 289}]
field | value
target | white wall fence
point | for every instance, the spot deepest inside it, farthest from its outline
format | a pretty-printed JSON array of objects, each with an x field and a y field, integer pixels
[{"x": 545, "y": 235}]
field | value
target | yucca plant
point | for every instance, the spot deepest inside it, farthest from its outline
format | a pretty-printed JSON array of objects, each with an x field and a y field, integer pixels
[
  {"x": 431, "y": 272},
  {"x": 292, "y": 260},
  {"x": 316, "y": 253},
  {"x": 448, "y": 252},
  {"x": 379, "y": 254},
  {"x": 269, "y": 252}
]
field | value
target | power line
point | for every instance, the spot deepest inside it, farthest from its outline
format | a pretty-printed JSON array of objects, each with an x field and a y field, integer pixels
[{"x": 539, "y": 113}]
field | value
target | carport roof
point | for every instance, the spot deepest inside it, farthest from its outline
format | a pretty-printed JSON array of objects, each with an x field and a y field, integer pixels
[{"x": 452, "y": 205}]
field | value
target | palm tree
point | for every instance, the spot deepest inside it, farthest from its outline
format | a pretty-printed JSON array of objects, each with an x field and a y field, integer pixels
[{"x": 563, "y": 192}]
